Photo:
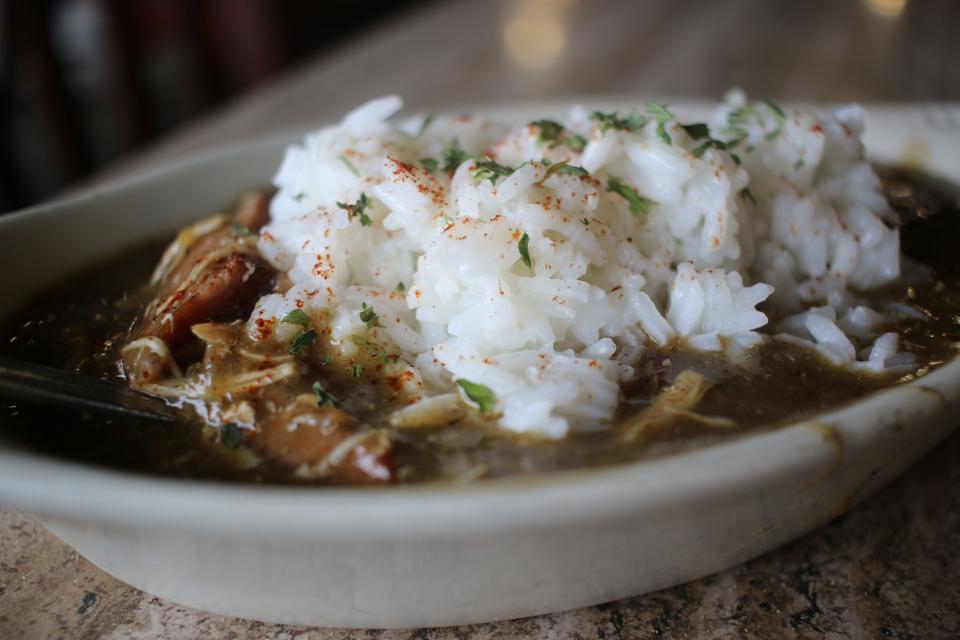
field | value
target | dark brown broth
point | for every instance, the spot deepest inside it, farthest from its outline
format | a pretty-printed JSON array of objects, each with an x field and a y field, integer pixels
[{"x": 78, "y": 326}]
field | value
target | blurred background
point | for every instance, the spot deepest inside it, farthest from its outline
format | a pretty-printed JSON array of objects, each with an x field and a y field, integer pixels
[{"x": 84, "y": 83}]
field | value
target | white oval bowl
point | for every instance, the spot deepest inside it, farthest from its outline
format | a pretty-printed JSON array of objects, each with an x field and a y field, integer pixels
[{"x": 448, "y": 554}]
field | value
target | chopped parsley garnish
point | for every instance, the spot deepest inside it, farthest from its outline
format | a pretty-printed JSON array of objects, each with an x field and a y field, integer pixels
[
  {"x": 242, "y": 231},
  {"x": 737, "y": 120},
  {"x": 710, "y": 143},
  {"x": 572, "y": 169},
  {"x": 550, "y": 131},
  {"x": 358, "y": 209},
  {"x": 779, "y": 115},
  {"x": 554, "y": 133},
  {"x": 297, "y": 316},
  {"x": 368, "y": 316},
  {"x": 300, "y": 196},
  {"x": 576, "y": 142},
  {"x": 638, "y": 204},
  {"x": 662, "y": 116},
  {"x": 585, "y": 222},
  {"x": 356, "y": 371},
  {"x": 302, "y": 341},
  {"x": 324, "y": 398},
  {"x": 430, "y": 164},
  {"x": 524, "y": 247},
  {"x": 478, "y": 393},
  {"x": 401, "y": 286},
  {"x": 490, "y": 170},
  {"x": 564, "y": 167},
  {"x": 775, "y": 109},
  {"x": 696, "y": 131},
  {"x": 453, "y": 156},
  {"x": 231, "y": 435},
  {"x": 350, "y": 165},
  {"x": 427, "y": 121},
  {"x": 607, "y": 121},
  {"x": 749, "y": 195}
]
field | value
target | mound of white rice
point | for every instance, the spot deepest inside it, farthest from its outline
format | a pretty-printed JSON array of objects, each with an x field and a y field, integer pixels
[{"x": 539, "y": 262}]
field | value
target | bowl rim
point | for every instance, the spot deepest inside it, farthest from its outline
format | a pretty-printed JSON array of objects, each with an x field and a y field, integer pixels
[{"x": 47, "y": 485}]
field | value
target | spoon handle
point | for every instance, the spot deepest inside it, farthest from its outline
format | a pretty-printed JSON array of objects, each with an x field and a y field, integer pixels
[{"x": 25, "y": 381}]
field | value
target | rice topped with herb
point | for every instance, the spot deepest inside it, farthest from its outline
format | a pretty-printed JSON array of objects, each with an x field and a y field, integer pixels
[{"x": 527, "y": 269}]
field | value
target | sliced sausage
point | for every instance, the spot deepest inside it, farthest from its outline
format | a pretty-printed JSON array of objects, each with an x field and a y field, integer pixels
[
  {"x": 229, "y": 287},
  {"x": 325, "y": 442}
]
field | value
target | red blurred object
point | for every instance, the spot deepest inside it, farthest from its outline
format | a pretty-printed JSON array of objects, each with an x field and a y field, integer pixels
[{"x": 84, "y": 81}]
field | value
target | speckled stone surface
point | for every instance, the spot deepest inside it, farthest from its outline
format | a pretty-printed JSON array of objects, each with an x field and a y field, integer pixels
[{"x": 890, "y": 568}]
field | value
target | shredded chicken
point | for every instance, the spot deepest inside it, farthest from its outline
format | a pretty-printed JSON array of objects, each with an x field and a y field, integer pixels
[
  {"x": 437, "y": 411},
  {"x": 673, "y": 403}
]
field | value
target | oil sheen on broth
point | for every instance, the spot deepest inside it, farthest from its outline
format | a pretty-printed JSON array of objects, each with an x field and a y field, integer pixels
[{"x": 80, "y": 325}]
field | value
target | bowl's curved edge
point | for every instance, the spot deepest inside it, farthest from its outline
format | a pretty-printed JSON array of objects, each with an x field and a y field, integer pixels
[
  {"x": 751, "y": 494},
  {"x": 39, "y": 483}
]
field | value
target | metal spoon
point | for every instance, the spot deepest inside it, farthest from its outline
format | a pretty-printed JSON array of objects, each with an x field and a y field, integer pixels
[{"x": 30, "y": 382}]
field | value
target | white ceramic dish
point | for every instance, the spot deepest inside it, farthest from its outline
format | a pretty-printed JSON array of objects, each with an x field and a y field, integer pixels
[{"x": 441, "y": 555}]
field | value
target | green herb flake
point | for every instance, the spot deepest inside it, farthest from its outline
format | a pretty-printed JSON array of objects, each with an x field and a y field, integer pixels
[
  {"x": 748, "y": 195},
  {"x": 302, "y": 341},
  {"x": 242, "y": 231},
  {"x": 585, "y": 222},
  {"x": 427, "y": 121},
  {"x": 550, "y": 131},
  {"x": 231, "y": 435},
  {"x": 710, "y": 143},
  {"x": 696, "y": 131},
  {"x": 401, "y": 286},
  {"x": 480, "y": 394},
  {"x": 430, "y": 164},
  {"x": 350, "y": 165},
  {"x": 356, "y": 371},
  {"x": 453, "y": 156},
  {"x": 576, "y": 142},
  {"x": 358, "y": 209},
  {"x": 573, "y": 170},
  {"x": 662, "y": 116},
  {"x": 368, "y": 316},
  {"x": 524, "y": 247},
  {"x": 300, "y": 196},
  {"x": 775, "y": 109},
  {"x": 737, "y": 120},
  {"x": 297, "y": 316},
  {"x": 324, "y": 398},
  {"x": 607, "y": 121},
  {"x": 565, "y": 167},
  {"x": 490, "y": 170},
  {"x": 638, "y": 204}
]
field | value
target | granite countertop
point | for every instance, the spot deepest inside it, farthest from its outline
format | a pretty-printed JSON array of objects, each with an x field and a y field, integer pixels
[{"x": 887, "y": 569}]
